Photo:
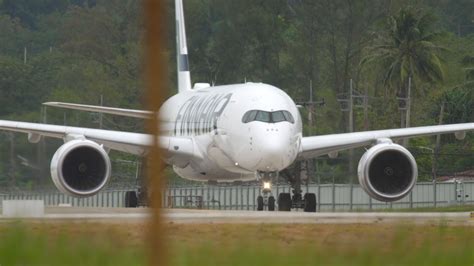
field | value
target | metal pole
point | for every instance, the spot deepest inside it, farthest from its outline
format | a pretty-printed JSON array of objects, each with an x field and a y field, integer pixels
[
  {"x": 411, "y": 199},
  {"x": 351, "y": 109},
  {"x": 225, "y": 198},
  {"x": 407, "y": 121},
  {"x": 319, "y": 193},
  {"x": 248, "y": 196},
  {"x": 100, "y": 114},
  {"x": 333, "y": 194},
  {"x": 241, "y": 197},
  {"x": 310, "y": 162},
  {"x": 366, "y": 108},
  {"x": 408, "y": 110},
  {"x": 351, "y": 151}
]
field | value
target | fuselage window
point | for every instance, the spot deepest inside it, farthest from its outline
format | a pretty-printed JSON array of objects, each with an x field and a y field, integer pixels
[{"x": 267, "y": 117}]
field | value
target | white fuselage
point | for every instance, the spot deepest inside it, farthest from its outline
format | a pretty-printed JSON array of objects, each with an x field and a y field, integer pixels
[{"x": 230, "y": 148}]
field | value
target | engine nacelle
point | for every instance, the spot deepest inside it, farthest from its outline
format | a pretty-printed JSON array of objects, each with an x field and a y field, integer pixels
[
  {"x": 80, "y": 168},
  {"x": 387, "y": 172}
]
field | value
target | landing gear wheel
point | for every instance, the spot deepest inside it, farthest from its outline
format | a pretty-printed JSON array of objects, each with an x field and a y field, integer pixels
[
  {"x": 271, "y": 203},
  {"x": 131, "y": 199},
  {"x": 284, "y": 202},
  {"x": 259, "y": 203},
  {"x": 310, "y": 202}
]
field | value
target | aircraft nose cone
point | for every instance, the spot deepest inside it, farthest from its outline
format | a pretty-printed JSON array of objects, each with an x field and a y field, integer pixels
[{"x": 273, "y": 153}]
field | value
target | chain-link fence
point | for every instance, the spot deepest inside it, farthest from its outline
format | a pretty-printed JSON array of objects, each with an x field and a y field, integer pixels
[
  {"x": 330, "y": 197},
  {"x": 108, "y": 198}
]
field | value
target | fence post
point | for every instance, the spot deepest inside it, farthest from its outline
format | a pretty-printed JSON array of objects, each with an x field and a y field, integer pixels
[
  {"x": 455, "y": 191},
  {"x": 248, "y": 195},
  {"x": 219, "y": 198},
  {"x": 225, "y": 198},
  {"x": 333, "y": 196},
  {"x": 196, "y": 191},
  {"x": 231, "y": 198},
  {"x": 351, "y": 193},
  {"x": 434, "y": 193},
  {"x": 411, "y": 199},
  {"x": 254, "y": 197},
  {"x": 241, "y": 197},
  {"x": 318, "y": 195}
]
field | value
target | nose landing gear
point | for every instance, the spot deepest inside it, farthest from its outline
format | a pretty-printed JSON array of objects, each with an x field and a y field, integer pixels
[
  {"x": 285, "y": 200},
  {"x": 266, "y": 198}
]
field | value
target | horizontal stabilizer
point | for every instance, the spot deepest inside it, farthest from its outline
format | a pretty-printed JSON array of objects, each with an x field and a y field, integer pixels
[{"x": 102, "y": 109}]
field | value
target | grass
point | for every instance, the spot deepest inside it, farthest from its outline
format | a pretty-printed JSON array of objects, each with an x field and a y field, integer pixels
[
  {"x": 453, "y": 208},
  {"x": 379, "y": 244},
  {"x": 41, "y": 244},
  {"x": 87, "y": 243}
]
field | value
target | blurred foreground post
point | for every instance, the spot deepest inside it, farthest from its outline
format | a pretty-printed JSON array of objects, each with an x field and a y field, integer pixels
[{"x": 155, "y": 75}]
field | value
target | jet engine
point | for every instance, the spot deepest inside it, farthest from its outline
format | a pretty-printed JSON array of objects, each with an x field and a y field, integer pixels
[
  {"x": 80, "y": 168},
  {"x": 387, "y": 172}
]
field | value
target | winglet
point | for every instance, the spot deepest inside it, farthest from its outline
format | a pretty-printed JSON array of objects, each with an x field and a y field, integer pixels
[{"x": 184, "y": 76}]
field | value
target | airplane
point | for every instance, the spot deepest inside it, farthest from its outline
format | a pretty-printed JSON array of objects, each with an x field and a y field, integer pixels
[{"x": 237, "y": 132}]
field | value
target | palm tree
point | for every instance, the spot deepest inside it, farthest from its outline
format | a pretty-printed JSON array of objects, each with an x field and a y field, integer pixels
[
  {"x": 459, "y": 100},
  {"x": 407, "y": 49},
  {"x": 406, "y": 54}
]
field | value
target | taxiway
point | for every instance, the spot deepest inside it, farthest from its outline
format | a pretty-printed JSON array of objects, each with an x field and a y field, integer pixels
[{"x": 219, "y": 216}]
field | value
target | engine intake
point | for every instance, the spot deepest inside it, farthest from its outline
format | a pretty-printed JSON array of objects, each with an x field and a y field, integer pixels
[
  {"x": 80, "y": 168},
  {"x": 387, "y": 172}
]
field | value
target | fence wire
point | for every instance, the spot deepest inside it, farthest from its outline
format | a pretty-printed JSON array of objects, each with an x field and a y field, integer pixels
[{"x": 330, "y": 197}]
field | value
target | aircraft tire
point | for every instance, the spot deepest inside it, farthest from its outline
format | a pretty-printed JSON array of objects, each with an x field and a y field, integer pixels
[
  {"x": 310, "y": 202},
  {"x": 131, "y": 199},
  {"x": 284, "y": 202},
  {"x": 259, "y": 203},
  {"x": 271, "y": 203}
]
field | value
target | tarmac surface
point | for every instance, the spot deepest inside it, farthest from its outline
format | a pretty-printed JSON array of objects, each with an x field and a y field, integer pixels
[{"x": 123, "y": 215}]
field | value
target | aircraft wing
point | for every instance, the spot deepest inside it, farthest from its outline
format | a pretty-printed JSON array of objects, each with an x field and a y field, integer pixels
[
  {"x": 102, "y": 109},
  {"x": 135, "y": 143},
  {"x": 321, "y": 145}
]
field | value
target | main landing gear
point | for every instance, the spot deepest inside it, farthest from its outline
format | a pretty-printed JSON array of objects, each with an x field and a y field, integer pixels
[
  {"x": 138, "y": 198},
  {"x": 286, "y": 201}
]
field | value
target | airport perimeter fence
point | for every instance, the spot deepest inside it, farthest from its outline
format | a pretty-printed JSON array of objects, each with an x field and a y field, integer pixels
[{"x": 330, "y": 197}]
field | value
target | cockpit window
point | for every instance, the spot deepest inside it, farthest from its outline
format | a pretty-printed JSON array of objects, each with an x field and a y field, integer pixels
[
  {"x": 249, "y": 116},
  {"x": 278, "y": 117},
  {"x": 263, "y": 116},
  {"x": 268, "y": 117},
  {"x": 288, "y": 117}
]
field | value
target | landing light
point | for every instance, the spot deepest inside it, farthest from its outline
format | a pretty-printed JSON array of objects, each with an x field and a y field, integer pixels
[{"x": 267, "y": 185}]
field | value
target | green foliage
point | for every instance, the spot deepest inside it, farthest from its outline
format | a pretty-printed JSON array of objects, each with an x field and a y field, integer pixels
[
  {"x": 20, "y": 246},
  {"x": 407, "y": 48},
  {"x": 271, "y": 245},
  {"x": 82, "y": 50}
]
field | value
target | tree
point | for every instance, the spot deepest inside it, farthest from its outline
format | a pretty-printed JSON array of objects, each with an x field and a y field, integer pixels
[
  {"x": 407, "y": 48},
  {"x": 408, "y": 55},
  {"x": 460, "y": 99}
]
